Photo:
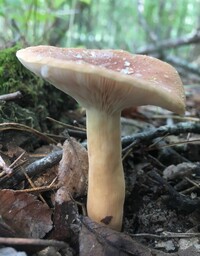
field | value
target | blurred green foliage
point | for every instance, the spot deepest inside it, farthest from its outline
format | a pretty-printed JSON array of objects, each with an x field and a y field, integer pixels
[{"x": 128, "y": 24}]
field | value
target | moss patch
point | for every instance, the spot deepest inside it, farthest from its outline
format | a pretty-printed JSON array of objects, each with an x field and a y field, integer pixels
[
  {"x": 13, "y": 77},
  {"x": 39, "y": 98}
]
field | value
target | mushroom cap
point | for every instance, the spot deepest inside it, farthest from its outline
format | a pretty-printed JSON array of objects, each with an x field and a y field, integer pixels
[{"x": 109, "y": 80}]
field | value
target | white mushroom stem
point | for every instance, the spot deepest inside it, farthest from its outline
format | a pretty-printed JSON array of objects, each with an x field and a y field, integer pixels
[{"x": 106, "y": 185}]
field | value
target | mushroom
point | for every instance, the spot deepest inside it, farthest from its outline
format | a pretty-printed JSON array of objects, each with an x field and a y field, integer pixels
[{"x": 105, "y": 82}]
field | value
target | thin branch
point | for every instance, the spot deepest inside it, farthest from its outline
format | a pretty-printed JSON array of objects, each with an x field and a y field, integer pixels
[
  {"x": 52, "y": 159},
  {"x": 193, "y": 68},
  {"x": 11, "y": 96},
  {"x": 33, "y": 169},
  {"x": 142, "y": 21},
  {"x": 25, "y": 128},
  {"x": 166, "y": 234},
  {"x": 193, "y": 38},
  {"x": 161, "y": 131}
]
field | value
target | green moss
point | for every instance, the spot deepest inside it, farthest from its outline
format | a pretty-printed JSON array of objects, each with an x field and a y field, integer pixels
[
  {"x": 14, "y": 77},
  {"x": 12, "y": 112},
  {"x": 39, "y": 98}
]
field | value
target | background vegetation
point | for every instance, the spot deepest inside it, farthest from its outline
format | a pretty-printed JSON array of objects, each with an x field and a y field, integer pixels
[
  {"x": 169, "y": 30},
  {"x": 130, "y": 24}
]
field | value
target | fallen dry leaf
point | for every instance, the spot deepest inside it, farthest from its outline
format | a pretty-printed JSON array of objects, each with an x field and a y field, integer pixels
[
  {"x": 6, "y": 230},
  {"x": 29, "y": 245},
  {"x": 66, "y": 222},
  {"x": 25, "y": 214},
  {"x": 96, "y": 239},
  {"x": 181, "y": 170},
  {"x": 73, "y": 171},
  {"x": 72, "y": 177}
]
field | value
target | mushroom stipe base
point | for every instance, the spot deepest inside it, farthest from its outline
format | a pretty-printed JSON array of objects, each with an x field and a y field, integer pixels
[{"x": 106, "y": 186}]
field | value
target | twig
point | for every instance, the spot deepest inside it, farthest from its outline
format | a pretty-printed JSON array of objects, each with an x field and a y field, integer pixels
[
  {"x": 77, "y": 132},
  {"x": 22, "y": 127},
  {"x": 192, "y": 182},
  {"x": 188, "y": 190},
  {"x": 191, "y": 141},
  {"x": 177, "y": 200},
  {"x": 193, "y": 68},
  {"x": 33, "y": 186},
  {"x": 74, "y": 133},
  {"x": 179, "y": 118},
  {"x": 192, "y": 38},
  {"x": 33, "y": 169},
  {"x": 11, "y": 96},
  {"x": 5, "y": 169},
  {"x": 16, "y": 160},
  {"x": 40, "y": 189},
  {"x": 161, "y": 131},
  {"x": 166, "y": 234},
  {"x": 66, "y": 125},
  {"x": 40, "y": 165},
  {"x": 27, "y": 243},
  {"x": 142, "y": 21}
]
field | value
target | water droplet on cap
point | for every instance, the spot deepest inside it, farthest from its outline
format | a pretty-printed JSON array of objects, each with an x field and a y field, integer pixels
[
  {"x": 79, "y": 56},
  {"x": 44, "y": 71},
  {"x": 127, "y": 64}
]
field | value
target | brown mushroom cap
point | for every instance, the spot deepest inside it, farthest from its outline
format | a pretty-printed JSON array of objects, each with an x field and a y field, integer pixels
[{"x": 110, "y": 80}]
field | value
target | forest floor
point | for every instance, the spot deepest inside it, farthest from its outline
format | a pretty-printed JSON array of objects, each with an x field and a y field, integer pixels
[{"x": 43, "y": 186}]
